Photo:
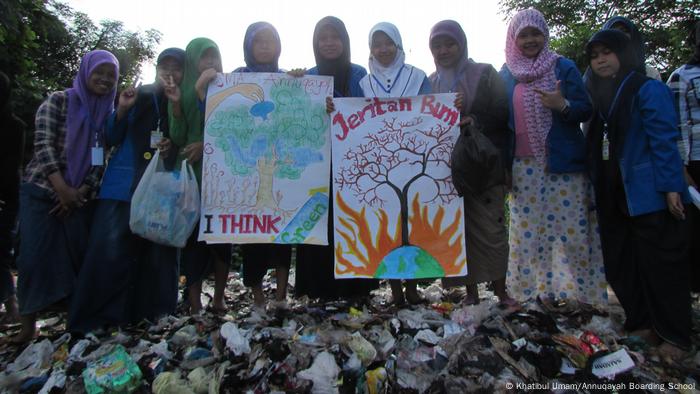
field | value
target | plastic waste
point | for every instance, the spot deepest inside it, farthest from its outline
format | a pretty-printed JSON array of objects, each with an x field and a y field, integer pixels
[
  {"x": 235, "y": 341},
  {"x": 363, "y": 348},
  {"x": 376, "y": 380},
  {"x": 323, "y": 373},
  {"x": 427, "y": 336},
  {"x": 115, "y": 372},
  {"x": 165, "y": 205},
  {"x": 57, "y": 381},
  {"x": 199, "y": 380},
  {"x": 170, "y": 383},
  {"x": 185, "y": 336}
]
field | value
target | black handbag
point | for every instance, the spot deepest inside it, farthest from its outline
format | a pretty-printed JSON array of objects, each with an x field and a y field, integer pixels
[{"x": 476, "y": 162}]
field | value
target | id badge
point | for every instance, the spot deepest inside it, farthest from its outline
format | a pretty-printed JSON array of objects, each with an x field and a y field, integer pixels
[
  {"x": 606, "y": 148},
  {"x": 98, "y": 157},
  {"x": 156, "y": 136}
]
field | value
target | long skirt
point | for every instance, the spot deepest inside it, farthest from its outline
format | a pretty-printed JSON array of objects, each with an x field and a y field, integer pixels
[
  {"x": 646, "y": 266},
  {"x": 197, "y": 258},
  {"x": 486, "y": 238},
  {"x": 51, "y": 249},
  {"x": 124, "y": 278},
  {"x": 554, "y": 237}
]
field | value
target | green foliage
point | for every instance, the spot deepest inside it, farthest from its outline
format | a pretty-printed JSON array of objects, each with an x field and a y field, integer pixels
[
  {"x": 42, "y": 42},
  {"x": 665, "y": 24},
  {"x": 292, "y": 134}
]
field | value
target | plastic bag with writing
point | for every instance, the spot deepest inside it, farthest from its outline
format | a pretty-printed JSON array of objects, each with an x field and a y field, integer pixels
[{"x": 165, "y": 206}]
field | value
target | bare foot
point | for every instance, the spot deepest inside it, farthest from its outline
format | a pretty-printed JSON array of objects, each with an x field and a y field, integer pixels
[
  {"x": 647, "y": 335},
  {"x": 670, "y": 353}
]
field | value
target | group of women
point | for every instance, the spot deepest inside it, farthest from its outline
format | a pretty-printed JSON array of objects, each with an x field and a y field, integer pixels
[{"x": 78, "y": 249}]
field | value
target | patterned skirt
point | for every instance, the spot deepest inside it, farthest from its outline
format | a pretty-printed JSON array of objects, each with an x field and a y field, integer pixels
[{"x": 554, "y": 237}]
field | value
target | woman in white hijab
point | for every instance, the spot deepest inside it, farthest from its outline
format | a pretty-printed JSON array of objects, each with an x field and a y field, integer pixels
[{"x": 389, "y": 75}]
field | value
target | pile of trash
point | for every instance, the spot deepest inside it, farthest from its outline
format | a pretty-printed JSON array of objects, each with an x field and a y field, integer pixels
[{"x": 365, "y": 346}]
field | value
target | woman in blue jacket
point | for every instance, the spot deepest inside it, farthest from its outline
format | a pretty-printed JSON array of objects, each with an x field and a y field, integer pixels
[
  {"x": 638, "y": 178},
  {"x": 554, "y": 244},
  {"x": 125, "y": 278}
]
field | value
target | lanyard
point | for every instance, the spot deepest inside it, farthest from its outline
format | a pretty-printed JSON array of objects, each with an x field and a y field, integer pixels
[
  {"x": 157, "y": 108},
  {"x": 605, "y": 145},
  {"x": 394, "y": 83}
]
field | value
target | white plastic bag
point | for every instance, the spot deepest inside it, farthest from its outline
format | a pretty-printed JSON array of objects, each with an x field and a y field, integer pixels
[{"x": 165, "y": 205}]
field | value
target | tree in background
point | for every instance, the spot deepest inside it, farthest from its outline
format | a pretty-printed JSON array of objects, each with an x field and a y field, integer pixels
[
  {"x": 42, "y": 42},
  {"x": 665, "y": 25}
]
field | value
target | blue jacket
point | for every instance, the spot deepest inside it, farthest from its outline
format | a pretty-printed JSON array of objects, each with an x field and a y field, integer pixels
[
  {"x": 131, "y": 136},
  {"x": 566, "y": 145},
  {"x": 357, "y": 72},
  {"x": 650, "y": 163}
]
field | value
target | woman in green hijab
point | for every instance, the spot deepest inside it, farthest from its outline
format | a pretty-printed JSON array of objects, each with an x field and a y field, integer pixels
[{"x": 203, "y": 62}]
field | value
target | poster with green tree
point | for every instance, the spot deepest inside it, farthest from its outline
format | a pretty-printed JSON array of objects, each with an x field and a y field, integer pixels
[{"x": 266, "y": 164}]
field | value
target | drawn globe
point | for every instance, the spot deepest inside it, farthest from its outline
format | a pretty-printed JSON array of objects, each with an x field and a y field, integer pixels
[{"x": 409, "y": 262}]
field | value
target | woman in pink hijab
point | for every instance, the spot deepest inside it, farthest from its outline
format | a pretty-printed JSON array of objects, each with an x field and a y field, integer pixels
[{"x": 554, "y": 242}]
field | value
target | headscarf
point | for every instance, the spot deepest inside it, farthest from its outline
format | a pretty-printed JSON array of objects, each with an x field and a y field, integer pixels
[
  {"x": 193, "y": 119},
  {"x": 636, "y": 40},
  {"x": 87, "y": 113},
  {"x": 251, "y": 64},
  {"x": 339, "y": 68},
  {"x": 179, "y": 56},
  {"x": 175, "y": 53},
  {"x": 408, "y": 78},
  {"x": 534, "y": 74},
  {"x": 465, "y": 75},
  {"x": 694, "y": 40},
  {"x": 603, "y": 90}
]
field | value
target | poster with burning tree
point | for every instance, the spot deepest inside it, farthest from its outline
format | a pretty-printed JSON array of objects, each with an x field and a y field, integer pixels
[
  {"x": 266, "y": 163},
  {"x": 396, "y": 213}
]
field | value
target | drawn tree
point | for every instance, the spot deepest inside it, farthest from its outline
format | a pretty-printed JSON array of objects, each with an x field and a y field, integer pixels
[
  {"x": 385, "y": 158},
  {"x": 280, "y": 144}
]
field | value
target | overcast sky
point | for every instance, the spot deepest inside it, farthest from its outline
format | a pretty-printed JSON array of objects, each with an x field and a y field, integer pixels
[{"x": 225, "y": 22}]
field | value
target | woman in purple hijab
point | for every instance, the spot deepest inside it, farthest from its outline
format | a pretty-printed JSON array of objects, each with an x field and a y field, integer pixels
[
  {"x": 484, "y": 105},
  {"x": 58, "y": 184}
]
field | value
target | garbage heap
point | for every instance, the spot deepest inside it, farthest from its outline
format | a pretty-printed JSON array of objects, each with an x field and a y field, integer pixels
[{"x": 365, "y": 346}]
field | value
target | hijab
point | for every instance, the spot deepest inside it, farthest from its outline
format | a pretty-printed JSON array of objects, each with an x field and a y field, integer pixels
[
  {"x": 462, "y": 77},
  {"x": 87, "y": 113},
  {"x": 179, "y": 56},
  {"x": 636, "y": 40},
  {"x": 338, "y": 68},
  {"x": 382, "y": 80},
  {"x": 193, "y": 118},
  {"x": 533, "y": 74},
  {"x": 603, "y": 90},
  {"x": 251, "y": 64},
  {"x": 175, "y": 53}
]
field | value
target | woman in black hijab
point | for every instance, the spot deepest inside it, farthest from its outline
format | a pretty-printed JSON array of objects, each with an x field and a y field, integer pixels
[
  {"x": 639, "y": 187},
  {"x": 315, "y": 265}
]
